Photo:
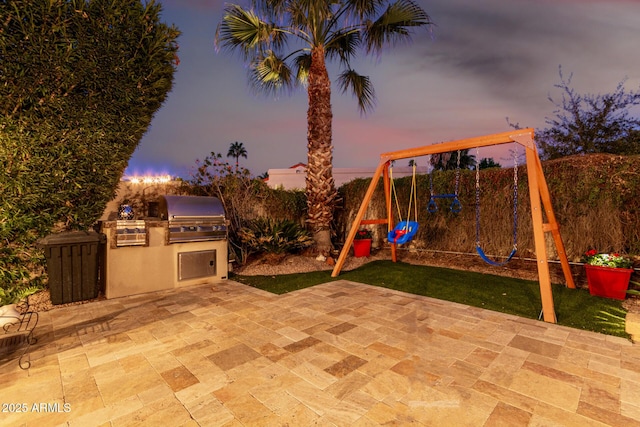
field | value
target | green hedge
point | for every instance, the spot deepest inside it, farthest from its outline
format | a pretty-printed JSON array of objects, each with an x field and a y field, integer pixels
[
  {"x": 596, "y": 199},
  {"x": 78, "y": 90}
]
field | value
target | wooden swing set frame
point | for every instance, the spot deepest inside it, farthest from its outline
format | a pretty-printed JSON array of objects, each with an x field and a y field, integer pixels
[{"x": 538, "y": 191}]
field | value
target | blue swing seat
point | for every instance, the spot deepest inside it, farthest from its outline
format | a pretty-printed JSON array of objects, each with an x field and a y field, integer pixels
[
  {"x": 488, "y": 260},
  {"x": 455, "y": 206},
  {"x": 403, "y": 232}
]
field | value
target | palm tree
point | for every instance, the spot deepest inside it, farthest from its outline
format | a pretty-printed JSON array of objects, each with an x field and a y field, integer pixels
[
  {"x": 449, "y": 161},
  {"x": 488, "y": 163},
  {"x": 318, "y": 30},
  {"x": 237, "y": 150}
]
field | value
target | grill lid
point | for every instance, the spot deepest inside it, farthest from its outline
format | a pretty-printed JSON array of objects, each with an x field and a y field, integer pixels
[{"x": 189, "y": 207}]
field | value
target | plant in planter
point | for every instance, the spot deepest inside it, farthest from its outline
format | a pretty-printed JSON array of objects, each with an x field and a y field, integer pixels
[
  {"x": 608, "y": 275},
  {"x": 15, "y": 294},
  {"x": 362, "y": 243},
  {"x": 9, "y": 299},
  {"x": 363, "y": 234}
]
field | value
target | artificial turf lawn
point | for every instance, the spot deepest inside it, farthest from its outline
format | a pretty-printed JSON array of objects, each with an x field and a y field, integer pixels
[{"x": 574, "y": 307}]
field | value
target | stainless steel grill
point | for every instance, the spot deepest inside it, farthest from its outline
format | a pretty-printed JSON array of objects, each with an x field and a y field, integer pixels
[{"x": 193, "y": 218}]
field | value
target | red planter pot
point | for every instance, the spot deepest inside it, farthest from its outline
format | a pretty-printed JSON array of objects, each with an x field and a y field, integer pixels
[
  {"x": 361, "y": 247},
  {"x": 608, "y": 282}
]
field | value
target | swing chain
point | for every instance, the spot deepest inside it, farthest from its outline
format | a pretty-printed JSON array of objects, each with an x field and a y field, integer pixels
[
  {"x": 414, "y": 195},
  {"x": 432, "y": 207},
  {"x": 477, "y": 199},
  {"x": 431, "y": 183},
  {"x": 515, "y": 200},
  {"x": 395, "y": 194},
  {"x": 457, "y": 174}
]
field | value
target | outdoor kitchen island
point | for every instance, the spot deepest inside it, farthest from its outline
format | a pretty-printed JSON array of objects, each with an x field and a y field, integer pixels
[{"x": 186, "y": 245}]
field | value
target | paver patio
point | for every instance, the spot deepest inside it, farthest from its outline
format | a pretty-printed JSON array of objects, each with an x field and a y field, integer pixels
[{"x": 341, "y": 353}]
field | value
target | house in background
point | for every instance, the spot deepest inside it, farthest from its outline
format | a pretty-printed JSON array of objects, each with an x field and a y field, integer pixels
[{"x": 293, "y": 178}]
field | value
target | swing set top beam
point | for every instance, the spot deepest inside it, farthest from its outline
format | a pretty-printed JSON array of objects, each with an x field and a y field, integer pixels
[{"x": 521, "y": 136}]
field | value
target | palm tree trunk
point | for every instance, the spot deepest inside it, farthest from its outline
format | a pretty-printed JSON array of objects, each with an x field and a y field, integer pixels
[{"x": 321, "y": 191}]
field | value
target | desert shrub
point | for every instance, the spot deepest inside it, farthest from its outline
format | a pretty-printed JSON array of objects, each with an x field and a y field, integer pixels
[
  {"x": 236, "y": 190},
  {"x": 244, "y": 198},
  {"x": 275, "y": 236}
]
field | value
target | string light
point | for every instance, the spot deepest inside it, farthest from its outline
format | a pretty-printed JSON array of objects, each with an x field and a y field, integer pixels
[{"x": 158, "y": 179}]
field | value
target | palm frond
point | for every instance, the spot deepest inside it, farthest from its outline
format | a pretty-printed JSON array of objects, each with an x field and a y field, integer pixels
[
  {"x": 343, "y": 44},
  {"x": 270, "y": 73},
  {"x": 394, "y": 24},
  {"x": 300, "y": 13},
  {"x": 363, "y": 8},
  {"x": 318, "y": 10},
  {"x": 243, "y": 29},
  {"x": 361, "y": 88},
  {"x": 303, "y": 64},
  {"x": 274, "y": 7}
]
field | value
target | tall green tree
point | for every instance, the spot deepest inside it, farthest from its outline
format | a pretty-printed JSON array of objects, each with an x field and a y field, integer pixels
[
  {"x": 287, "y": 43},
  {"x": 80, "y": 81},
  {"x": 589, "y": 123},
  {"x": 237, "y": 150}
]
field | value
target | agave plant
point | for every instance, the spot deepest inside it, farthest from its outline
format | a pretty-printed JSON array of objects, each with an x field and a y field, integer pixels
[{"x": 275, "y": 236}]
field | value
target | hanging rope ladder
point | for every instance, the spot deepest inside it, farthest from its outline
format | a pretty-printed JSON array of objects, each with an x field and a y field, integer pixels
[
  {"x": 404, "y": 230},
  {"x": 484, "y": 257}
]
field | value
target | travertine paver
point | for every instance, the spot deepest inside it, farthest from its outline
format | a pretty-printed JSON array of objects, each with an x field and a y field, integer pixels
[{"x": 337, "y": 354}]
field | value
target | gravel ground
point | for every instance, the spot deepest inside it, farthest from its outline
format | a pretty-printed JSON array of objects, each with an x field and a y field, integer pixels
[
  {"x": 301, "y": 264},
  {"x": 41, "y": 301}
]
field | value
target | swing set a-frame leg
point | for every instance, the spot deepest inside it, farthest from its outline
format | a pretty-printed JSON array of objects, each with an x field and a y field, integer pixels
[
  {"x": 383, "y": 167},
  {"x": 553, "y": 227},
  {"x": 544, "y": 277},
  {"x": 538, "y": 190}
]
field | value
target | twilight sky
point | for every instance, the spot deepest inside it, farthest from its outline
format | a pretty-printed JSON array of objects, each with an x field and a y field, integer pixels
[{"x": 483, "y": 61}]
